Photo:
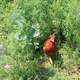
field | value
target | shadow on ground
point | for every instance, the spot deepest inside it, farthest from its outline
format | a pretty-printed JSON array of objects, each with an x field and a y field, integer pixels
[{"x": 57, "y": 59}]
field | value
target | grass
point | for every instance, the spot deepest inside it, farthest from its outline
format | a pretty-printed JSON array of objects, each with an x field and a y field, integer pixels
[
  {"x": 20, "y": 21},
  {"x": 66, "y": 67}
]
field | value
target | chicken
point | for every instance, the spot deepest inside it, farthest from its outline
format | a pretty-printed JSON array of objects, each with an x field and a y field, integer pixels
[{"x": 49, "y": 46}]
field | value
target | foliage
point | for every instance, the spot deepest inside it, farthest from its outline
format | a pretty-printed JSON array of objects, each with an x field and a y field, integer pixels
[{"x": 25, "y": 24}]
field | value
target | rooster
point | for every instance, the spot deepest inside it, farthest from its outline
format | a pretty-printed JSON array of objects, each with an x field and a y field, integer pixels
[{"x": 49, "y": 46}]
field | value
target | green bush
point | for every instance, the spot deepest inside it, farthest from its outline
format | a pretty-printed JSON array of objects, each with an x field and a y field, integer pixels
[{"x": 25, "y": 24}]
